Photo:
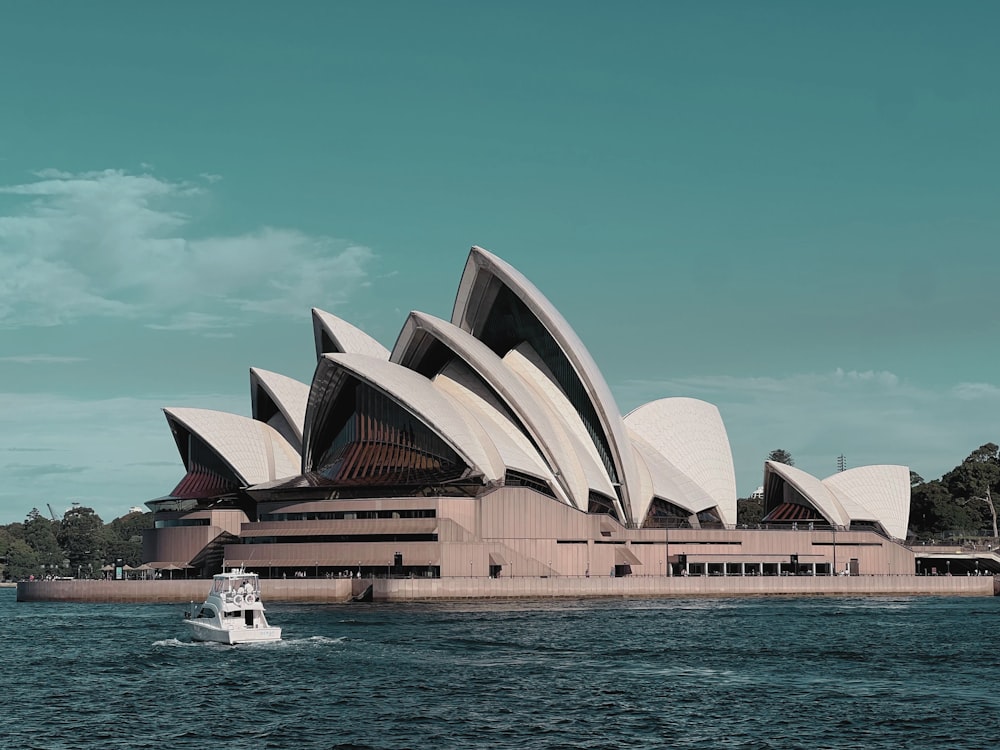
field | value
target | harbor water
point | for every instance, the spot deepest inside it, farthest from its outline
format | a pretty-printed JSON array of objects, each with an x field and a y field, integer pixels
[{"x": 606, "y": 673}]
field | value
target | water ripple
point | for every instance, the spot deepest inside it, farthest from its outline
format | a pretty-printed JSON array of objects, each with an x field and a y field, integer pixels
[{"x": 749, "y": 674}]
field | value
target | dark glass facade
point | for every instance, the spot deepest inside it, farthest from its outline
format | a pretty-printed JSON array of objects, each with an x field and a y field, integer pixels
[
  {"x": 517, "y": 479},
  {"x": 372, "y": 440},
  {"x": 664, "y": 514},
  {"x": 341, "y": 515},
  {"x": 207, "y": 474}
]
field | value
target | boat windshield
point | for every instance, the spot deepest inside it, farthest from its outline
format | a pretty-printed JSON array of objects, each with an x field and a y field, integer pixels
[
  {"x": 245, "y": 584},
  {"x": 236, "y": 583}
]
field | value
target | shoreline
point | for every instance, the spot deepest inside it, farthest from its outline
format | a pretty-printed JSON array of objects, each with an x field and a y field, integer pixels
[{"x": 342, "y": 590}]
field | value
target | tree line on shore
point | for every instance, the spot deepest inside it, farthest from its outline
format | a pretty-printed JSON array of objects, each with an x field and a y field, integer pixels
[
  {"x": 959, "y": 505},
  {"x": 78, "y": 545}
]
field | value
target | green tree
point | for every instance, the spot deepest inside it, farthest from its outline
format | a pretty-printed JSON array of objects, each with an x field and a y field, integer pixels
[
  {"x": 6, "y": 540},
  {"x": 934, "y": 512},
  {"x": 81, "y": 537},
  {"x": 974, "y": 482},
  {"x": 123, "y": 537},
  {"x": 915, "y": 478},
  {"x": 22, "y": 561},
  {"x": 40, "y": 535},
  {"x": 781, "y": 456},
  {"x": 749, "y": 511}
]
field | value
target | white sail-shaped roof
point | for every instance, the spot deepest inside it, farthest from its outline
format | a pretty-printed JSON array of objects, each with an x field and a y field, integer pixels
[
  {"x": 875, "y": 493},
  {"x": 879, "y": 494},
  {"x": 690, "y": 434},
  {"x": 810, "y": 488},
  {"x": 334, "y": 335},
  {"x": 668, "y": 482},
  {"x": 288, "y": 395},
  {"x": 558, "y": 410},
  {"x": 255, "y": 451},
  {"x": 482, "y": 279},
  {"x": 515, "y": 450},
  {"x": 415, "y": 393},
  {"x": 534, "y": 416}
]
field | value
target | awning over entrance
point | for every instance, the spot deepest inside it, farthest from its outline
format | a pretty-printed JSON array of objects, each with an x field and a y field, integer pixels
[
  {"x": 624, "y": 556},
  {"x": 497, "y": 559}
]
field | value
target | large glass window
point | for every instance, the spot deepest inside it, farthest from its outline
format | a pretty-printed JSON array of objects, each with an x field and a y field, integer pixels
[
  {"x": 172, "y": 522},
  {"x": 340, "y": 515},
  {"x": 664, "y": 514},
  {"x": 207, "y": 474},
  {"x": 518, "y": 479},
  {"x": 329, "y": 538},
  {"x": 378, "y": 442}
]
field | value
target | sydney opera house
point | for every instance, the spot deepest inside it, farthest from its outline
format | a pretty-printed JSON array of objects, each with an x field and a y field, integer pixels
[{"x": 491, "y": 445}]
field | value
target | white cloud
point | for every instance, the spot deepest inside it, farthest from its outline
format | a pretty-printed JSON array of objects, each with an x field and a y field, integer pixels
[
  {"x": 115, "y": 244},
  {"x": 190, "y": 321},
  {"x": 976, "y": 391},
  {"x": 870, "y": 417},
  {"x": 41, "y": 359}
]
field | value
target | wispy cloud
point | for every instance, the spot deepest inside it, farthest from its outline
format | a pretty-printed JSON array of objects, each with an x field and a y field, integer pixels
[
  {"x": 119, "y": 451},
  {"x": 190, "y": 321},
  {"x": 40, "y": 470},
  {"x": 869, "y": 416},
  {"x": 111, "y": 243},
  {"x": 976, "y": 391},
  {"x": 41, "y": 359}
]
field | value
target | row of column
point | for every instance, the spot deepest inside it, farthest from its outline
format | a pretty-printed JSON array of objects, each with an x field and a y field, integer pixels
[{"x": 755, "y": 569}]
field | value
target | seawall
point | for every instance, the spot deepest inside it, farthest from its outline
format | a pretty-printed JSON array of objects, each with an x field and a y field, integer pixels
[
  {"x": 341, "y": 590},
  {"x": 315, "y": 590},
  {"x": 650, "y": 587}
]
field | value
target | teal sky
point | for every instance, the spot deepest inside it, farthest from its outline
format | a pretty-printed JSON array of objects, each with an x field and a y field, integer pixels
[{"x": 788, "y": 209}]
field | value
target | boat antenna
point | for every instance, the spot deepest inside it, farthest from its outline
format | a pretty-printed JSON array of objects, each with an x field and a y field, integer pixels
[{"x": 243, "y": 564}]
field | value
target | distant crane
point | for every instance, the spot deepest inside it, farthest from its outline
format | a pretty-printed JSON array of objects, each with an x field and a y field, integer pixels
[{"x": 52, "y": 512}]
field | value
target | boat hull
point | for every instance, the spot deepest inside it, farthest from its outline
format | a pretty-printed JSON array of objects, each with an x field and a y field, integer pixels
[{"x": 232, "y": 636}]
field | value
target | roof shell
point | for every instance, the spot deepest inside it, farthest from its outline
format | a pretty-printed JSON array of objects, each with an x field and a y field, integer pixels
[
  {"x": 448, "y": 419},
  {"x": 691, "y": 435},
  {"x": 469, "y": 312},
  {"x": 255, "y": 451},
  {"x": 288, "y": 394},
  {"x": 669, "y": 482},
  {"x": 547, "y": 432},
  {"x": 346, "y": 337},
  {"x": 812, "y": 489},
  {"x": 515, "y": 450},
  {"x": 875, "y": 493},
  {"x": 557, "y": 410}
]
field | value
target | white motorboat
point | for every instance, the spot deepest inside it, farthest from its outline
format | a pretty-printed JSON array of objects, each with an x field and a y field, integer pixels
[{"x": 233, "y": 612}]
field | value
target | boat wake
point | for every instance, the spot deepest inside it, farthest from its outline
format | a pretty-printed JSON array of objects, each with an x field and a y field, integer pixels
[
  {"x": 314, "y": 640},
  {"x": 172, "y": 642}
]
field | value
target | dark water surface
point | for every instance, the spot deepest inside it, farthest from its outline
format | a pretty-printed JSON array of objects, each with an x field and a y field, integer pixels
[{"x": 710, "y": 673}]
